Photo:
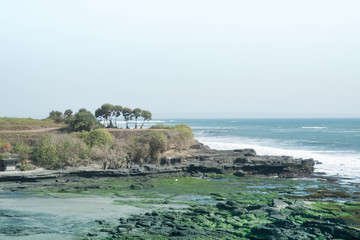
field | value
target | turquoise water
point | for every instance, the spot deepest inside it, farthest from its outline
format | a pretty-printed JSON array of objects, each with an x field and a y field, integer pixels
[{"x": 334, "y": 142}]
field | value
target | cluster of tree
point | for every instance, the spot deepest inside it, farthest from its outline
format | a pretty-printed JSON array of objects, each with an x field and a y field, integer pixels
[
  {"x": 59, "y": 116},
  {"x": 83, "y": 120},
  {"x": 109, "y": 113}
]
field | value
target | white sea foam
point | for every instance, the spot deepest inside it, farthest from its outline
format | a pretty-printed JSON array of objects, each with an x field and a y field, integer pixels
[
  {"x": 314, "y": 127},
  {"x": 334, "y": 163}
]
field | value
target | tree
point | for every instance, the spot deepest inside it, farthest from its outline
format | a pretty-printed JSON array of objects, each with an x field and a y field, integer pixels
[
  {"x": 83, "y": 121},
  {"x": 68, "y": 113},
  {"x": 146, "y": 115},
  {"x": 104, "y": 112},
  {"x": 127, "y": 113},
  {"x": 137, "y": 113},
  {"x": 117, "y": 109},
  {"x": 56, "y": 116}
]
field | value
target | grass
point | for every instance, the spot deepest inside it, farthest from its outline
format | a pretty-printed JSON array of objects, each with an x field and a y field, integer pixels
[
  {"x": 17, "y": 124},
  {"x": 14, "y": 138}
]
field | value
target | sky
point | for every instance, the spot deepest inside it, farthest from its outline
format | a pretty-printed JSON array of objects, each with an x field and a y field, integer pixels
[{"x": 181, "y": 59}]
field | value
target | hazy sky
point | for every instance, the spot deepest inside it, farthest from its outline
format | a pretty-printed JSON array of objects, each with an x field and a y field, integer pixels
[{"x": 197, "y": 58}]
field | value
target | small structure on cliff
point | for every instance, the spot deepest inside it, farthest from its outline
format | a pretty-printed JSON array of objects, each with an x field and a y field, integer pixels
[{"x": 8, "y": 164}]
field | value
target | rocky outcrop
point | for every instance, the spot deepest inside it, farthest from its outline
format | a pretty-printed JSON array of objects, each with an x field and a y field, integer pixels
[{"x": 196, "y": 161}]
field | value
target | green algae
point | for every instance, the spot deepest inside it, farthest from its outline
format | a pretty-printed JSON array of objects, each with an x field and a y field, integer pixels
[{"x": 310, "y": 202}]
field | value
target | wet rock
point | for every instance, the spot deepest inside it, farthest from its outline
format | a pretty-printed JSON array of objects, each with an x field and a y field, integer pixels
[
  {"x": 136, "y": 186},
  {"x": 255, "y": 207},
  {"x": 240, "y": 173},
  {"x": 224, "y": 206},
  {"x": 202, "y": 210},
  {"x": 240, "y": 211},
  {"x": 279, "y": 204},
  {"x": 246, "y": 151}
]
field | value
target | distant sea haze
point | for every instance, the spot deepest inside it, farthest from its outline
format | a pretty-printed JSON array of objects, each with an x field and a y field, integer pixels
[{"x": 334, "y": 142}]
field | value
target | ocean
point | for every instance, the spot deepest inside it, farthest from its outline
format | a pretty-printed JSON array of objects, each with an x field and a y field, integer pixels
[{"x": 333, "y": 142}]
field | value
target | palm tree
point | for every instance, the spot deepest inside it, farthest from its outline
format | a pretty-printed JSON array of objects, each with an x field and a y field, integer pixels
[
  {"x": 127, "y": 113},
  {"x": 136, "y": 112},
  {"x": 146, "y": 115}
]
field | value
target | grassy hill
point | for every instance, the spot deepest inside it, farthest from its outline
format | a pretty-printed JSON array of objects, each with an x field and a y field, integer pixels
[{"x": 18, "y": 124}]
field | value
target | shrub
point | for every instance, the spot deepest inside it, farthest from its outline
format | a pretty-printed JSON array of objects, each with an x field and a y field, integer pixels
[
  {"x": 148, "y": 146},
  {"x": 160, "y": 126},
  {"x": 98, "y": 137},
  {"x": 47, "y": 156},
  {"x": 3, "y": 143},
  {"x": 26, "y": 167},
  {"x": 114, "y": 156},
  {"x": 179, "y": 137},
  {"x": 60, "y": 150},
  {"x": 23, "y": 150}
]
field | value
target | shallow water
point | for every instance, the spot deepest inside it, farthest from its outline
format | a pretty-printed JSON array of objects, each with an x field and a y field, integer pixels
[
  {"x": 334, "y": 142},
  {"x": 39, "y": 217}
]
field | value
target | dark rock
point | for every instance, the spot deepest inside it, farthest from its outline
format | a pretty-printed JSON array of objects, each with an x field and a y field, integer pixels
[
  {"x": 136, "y": 186},
  {"x": 224, "y": 206},
  {"x": 240, "y": 173},
  {"x": 201, "y": 210},
  {"x": 246, "y": 152},
  {"x": 196, "y": 161},
  {"x": 254, "y": 207},
  {"x": 240, "y": 211}
]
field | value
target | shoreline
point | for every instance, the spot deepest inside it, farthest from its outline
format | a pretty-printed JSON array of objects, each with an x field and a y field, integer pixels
[{"x": 196, "y": 161}]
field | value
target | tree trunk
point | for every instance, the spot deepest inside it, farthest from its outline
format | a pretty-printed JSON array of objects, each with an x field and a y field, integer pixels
[
  {"x": 142, "y": 124},
  {"x": 135, "y": 123}
]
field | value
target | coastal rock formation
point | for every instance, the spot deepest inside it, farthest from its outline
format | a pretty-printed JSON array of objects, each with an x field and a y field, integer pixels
[{"x": 196, "y": 161}]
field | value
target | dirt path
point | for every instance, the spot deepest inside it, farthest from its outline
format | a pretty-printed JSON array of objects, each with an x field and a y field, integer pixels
[{"x": 41, "y": 130}]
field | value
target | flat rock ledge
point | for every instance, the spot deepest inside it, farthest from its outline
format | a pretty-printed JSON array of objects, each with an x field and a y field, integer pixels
[{"x": 194, "y": 162}]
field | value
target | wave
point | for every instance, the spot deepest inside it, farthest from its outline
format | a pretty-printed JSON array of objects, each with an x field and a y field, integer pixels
[
  {"x": 313, "y": 127},
  {"x": 140, "y": 121},
  {"x": 334, "y": 163},
  {"x": 209, "y": 128}
]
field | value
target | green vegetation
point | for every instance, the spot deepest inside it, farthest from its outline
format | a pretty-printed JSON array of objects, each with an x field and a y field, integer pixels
[
  {"x": 16, "y": 124},
  {"x": 227, "y": 208},
  {"x": 57, "y": 151},
  {"x": 3, "y": 144},
  {"x": 107, "y": 112},
  {"x": 83, "y": 121},
  {"x": 148, "y": 146},
  {"x": 136, "y": 113},
  {"x": 97, "y": 137},
  {"x": 82, "y": 142},
  {"x": 160, "y": 126},
  {"x": 147, "y": 117}
]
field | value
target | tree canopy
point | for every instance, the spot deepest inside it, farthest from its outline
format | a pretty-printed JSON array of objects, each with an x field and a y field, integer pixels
[
  {"x": 83, "y": 121},
  {"x": 108, "y": 114}
]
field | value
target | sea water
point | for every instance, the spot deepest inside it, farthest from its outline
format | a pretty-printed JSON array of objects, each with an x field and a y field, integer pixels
[{"x": 333, "y": 142}]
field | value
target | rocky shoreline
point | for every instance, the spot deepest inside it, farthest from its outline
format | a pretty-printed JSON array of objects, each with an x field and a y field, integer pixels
[
  {"x": 163, "y": 202},
  {"x": 194, "y": 194},
  {"x": 196, "y": 161}
]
